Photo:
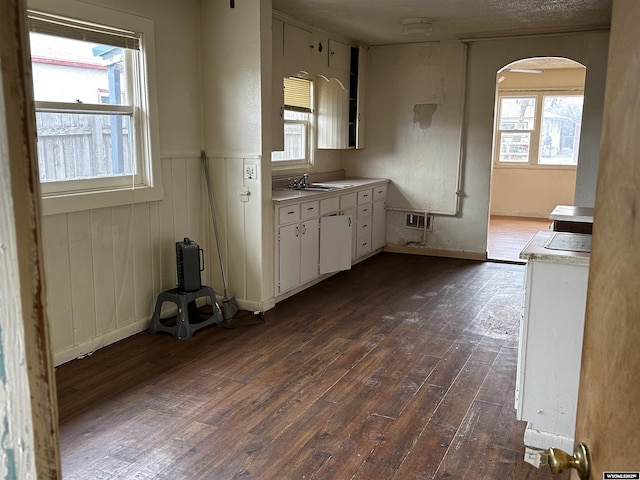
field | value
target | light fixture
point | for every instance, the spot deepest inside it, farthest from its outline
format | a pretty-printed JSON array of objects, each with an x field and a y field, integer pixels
[{"x": 417, "y": 26}]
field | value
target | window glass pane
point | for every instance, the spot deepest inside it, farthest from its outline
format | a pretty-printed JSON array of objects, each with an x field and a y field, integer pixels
[
  {"x": 296, "y": 144},
  {"x": 75, "y": 71},
  {"x": 74, "y": 146},
  {"x": 560, "y": 130},
  {"x": 517, "y": 113},
  {"x": 514, "y": 147}
]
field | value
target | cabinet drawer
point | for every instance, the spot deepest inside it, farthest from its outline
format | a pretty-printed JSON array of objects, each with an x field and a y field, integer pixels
[
  {"x": 288, "y": 214},
  {"x": 329, "y": 205},
  {"x": 363, "y": 246},
  {"x": 348, "y": 200},
  {"x": 364, "y": 228},
  {"x": 364, "y": 211},
  {"x": 379, "y": 193},
  {"x": 364, "y": 196},
  {"x": 309, "y": 210}
]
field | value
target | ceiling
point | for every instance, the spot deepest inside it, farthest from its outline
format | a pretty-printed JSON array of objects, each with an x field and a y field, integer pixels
[{"x": 379, "y": 22}]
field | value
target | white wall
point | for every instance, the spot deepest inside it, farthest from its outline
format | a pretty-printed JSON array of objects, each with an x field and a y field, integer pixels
[
  {"x": 104, "y": 267},
  {"x": 392, "y": 132}
]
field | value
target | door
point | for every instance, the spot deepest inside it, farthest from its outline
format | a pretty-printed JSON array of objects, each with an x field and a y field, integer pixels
[
  {"x": 608, "y": 404},
  {"x": 309, "y": 249},
  {"x": 289, "y": 257},
  {"x": 335, "y": 243}
]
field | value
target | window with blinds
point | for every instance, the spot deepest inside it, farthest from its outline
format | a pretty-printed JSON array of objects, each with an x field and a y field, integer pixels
[
  {"x": 92, "y": 103},
  {"x": 298, "y": 107}
]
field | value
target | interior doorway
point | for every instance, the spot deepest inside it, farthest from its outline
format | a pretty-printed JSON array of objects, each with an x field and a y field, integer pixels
[{"x": 535, "y": 151}]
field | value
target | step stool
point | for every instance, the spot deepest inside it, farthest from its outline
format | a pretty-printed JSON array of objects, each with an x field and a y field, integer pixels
[{"x": 188, "y": 319}]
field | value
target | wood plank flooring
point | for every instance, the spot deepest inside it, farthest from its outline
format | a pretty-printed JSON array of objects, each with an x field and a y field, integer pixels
[
  {"x": 402, "y": 368},
  {"x": 509, "y": 235}
]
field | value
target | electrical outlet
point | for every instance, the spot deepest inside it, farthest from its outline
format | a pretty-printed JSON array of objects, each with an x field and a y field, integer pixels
[{"x": 250, "y": 171}]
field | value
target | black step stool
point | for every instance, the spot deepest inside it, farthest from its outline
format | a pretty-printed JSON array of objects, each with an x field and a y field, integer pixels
[{"x": 189, "y": 317}]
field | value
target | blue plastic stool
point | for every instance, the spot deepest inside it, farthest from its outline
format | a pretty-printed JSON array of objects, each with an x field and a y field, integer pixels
[{"x": 185, "y": 326}]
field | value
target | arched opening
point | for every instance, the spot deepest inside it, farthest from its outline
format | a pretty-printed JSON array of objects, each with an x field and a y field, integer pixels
[{"x": 538, "y": 117}]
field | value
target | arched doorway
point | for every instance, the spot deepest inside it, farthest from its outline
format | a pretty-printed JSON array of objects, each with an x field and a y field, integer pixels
[{"x": 538, "y": 115}]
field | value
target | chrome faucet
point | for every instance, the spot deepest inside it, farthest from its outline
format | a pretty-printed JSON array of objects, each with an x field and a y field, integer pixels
[{"x": 299, "y": 182}]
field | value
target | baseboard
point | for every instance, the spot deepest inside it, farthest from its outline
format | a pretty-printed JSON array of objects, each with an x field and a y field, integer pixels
[
  {"x": 433, "y": 252},
  {"x": 544, "y": 440},
  {"x": 87, "y": 348}
]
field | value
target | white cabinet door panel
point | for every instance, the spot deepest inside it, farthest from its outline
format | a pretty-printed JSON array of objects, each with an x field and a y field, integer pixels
[
  {"x": 289, "y": 258},
  {"x": 309, "y": 248},
  {"x": 335, "y": 243}
]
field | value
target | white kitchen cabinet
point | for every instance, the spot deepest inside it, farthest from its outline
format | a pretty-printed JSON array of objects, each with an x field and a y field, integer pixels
[
  {"x": 335, "y": 243},
  {"x": 339, "y": 55},
  {"x": 298, "y": 43},
  {"x": 309, "y": 248},
  {"x": 348, "y": 202},
  {"x": 318, "y": 237},
  {"x": 277, "y": 99},
  {"x": 363, "y": 222},
  {"x": 289, "y": 257},
  {"x": 550, "y": 344}
]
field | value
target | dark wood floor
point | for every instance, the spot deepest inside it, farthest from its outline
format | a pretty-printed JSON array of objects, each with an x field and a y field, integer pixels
[
  {"x": 509, "y": 235},
  {"x": 402, "y": 368}
]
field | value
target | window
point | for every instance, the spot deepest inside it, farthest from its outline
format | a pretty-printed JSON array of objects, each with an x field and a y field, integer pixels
[
  {"x": 542, "y": 129},
  {"x": 297, "y": 123},
  {"x": 93, "y": 109}
]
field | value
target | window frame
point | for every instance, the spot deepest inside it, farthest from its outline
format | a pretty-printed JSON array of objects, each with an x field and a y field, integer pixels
[
  {"x": 535, "y": 133},
  {"x": 279, "y": 165},
  {"x": 146, "y": 185}
]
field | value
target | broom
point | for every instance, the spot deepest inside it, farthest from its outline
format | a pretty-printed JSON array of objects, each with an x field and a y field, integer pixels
[{"x": 229, "y": 305}]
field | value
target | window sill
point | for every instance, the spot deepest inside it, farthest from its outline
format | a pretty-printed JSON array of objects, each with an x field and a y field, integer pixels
[
  {"x": 527, "y": 166},
  {"x": 78, "y": 201}
]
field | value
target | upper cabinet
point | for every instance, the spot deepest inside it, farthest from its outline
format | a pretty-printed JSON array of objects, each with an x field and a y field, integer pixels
[
  {"x": 338, "y": 74},
  {"x": 339, "y": 56}
]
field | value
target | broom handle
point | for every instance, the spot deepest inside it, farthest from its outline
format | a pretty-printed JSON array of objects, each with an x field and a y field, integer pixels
[{"x": 203, "y": 157}]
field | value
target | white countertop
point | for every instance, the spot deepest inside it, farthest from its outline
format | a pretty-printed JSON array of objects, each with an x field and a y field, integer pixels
[
  {"x": 536, "y": 250},
  {"x": 285, "y": 195},
  {"x": 570, "y": 213}
]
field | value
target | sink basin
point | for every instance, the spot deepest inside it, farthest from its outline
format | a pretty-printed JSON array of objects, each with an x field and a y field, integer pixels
[{"x": 321, "y": 187}]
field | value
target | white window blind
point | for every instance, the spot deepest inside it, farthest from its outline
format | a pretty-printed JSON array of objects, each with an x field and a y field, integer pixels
[
  {"x": 297, "y": 94},
  {"x": 48, "y": 24}
]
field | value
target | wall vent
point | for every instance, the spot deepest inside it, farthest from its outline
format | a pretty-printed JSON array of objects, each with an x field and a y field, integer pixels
[{"x": 417, "y": 221}]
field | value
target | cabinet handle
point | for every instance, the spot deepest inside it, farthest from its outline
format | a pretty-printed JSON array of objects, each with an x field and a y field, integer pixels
[
  {"x": 349, "y": 221},
  {"x": 282, "y": 112},
  {"x": 297, "y": 231},
  {"x": 365, "y": 209},
  {"x": 304, "y": 229},
  {"x": 310, "y": 208},
  {"x": 364, "y": 226},
  {"x": 291, "y": 212}
]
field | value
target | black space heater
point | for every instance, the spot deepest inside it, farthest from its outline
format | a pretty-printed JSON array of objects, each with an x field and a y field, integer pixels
[{"x": 190, "y": 262}]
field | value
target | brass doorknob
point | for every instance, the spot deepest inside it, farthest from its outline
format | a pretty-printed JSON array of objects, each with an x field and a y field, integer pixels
[{"x": 560, "y": 461}]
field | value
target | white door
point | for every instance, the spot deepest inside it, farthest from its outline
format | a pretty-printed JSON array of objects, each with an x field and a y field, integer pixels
[
  {"x": 309, "y": 249},
  {"x": 335, "y": 243},
  {"x": 289, "y": 257}
]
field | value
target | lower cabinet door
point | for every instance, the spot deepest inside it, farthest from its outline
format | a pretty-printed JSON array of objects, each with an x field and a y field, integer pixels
[
  {"x": 289, "y": 257},
  {"x": 309, "y": 249},
  {"x": 335, "y": 243}
]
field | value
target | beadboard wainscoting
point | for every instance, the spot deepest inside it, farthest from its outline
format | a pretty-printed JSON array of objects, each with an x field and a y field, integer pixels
[{"x": 105, "y": 267}]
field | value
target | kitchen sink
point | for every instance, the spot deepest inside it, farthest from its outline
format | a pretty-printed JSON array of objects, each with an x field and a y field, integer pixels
[{"x": 321, "y": 187}]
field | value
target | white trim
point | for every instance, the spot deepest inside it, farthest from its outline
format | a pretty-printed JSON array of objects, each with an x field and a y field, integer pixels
[
  {"x": 544, "y": 440},
  {"x": 90, "y": 346}
]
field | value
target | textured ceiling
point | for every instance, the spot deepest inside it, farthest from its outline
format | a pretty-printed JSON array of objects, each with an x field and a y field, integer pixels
[{"x": 379, "y": 22}]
